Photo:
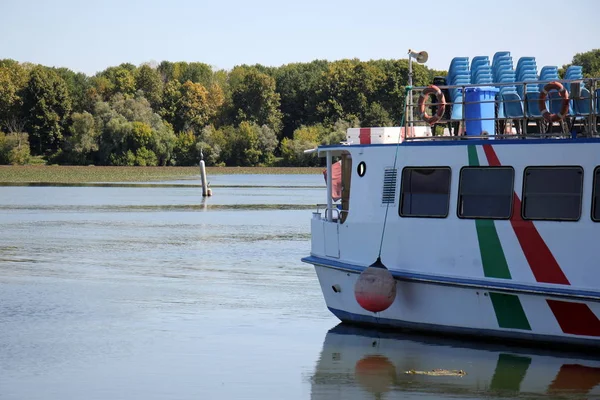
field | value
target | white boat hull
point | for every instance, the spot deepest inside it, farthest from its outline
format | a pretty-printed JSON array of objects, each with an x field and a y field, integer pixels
[{"x": 447, "y": 308}]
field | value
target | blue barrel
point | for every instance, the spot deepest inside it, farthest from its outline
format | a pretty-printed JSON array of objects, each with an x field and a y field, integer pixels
[{"x": 475, "y": 111}]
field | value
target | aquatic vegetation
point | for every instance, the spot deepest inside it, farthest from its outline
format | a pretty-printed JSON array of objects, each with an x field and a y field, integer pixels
[{"x": 81, "y": 174}]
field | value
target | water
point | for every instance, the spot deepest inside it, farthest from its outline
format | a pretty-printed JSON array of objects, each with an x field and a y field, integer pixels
[{"x": 152, "y": 292}]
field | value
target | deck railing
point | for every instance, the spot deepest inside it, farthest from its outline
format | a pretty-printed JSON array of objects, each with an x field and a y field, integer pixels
[{"x": 526, "y": 122}]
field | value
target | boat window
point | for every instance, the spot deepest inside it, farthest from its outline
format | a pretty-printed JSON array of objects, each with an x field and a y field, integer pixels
[
  {"x": 486, "y": 192},
  {"x": 596, "y": 196},
  {"x": 552, "y": 193},
  {"x": 425, "y": 192}
]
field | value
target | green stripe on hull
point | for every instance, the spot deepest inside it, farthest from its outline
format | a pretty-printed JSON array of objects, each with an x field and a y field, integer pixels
[
  {"x": 508, "y": 308},
  {"x": 492, "y": 255},
  {"x": 509, "y": 311},
  {"x": 473, "y": 159}
]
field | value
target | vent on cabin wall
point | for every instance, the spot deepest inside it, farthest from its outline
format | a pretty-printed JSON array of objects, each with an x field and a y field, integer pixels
[{"x": 389, "y": 186}]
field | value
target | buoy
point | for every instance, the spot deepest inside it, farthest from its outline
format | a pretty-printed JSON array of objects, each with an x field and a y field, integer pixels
[
  {"x": 205, "y": 190},
  {"x": 375, "y": 288}
]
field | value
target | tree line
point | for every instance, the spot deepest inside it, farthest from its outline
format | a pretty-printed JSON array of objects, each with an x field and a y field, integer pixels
[{"x": 163, "y": 114}]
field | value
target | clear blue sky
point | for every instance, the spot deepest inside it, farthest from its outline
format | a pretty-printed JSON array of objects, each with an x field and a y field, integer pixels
[{"x": 89, "y": 36}]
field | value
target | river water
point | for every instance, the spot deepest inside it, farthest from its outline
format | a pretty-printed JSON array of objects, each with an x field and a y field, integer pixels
[{"x": 152, "y": 292}]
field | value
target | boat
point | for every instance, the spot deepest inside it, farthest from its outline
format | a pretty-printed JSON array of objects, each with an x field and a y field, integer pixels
[
  {"x": 479, "y": 215},
  {"x": 359, "y": 363}
]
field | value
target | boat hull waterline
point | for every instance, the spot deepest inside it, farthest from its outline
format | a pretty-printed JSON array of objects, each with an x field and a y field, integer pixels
[{"x": 435, "y": 306}]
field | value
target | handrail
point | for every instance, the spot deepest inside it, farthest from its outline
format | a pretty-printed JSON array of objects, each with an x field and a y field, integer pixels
[
  {"x": 581, "y": 120},
  {"x": 494, "y": 84},
  {"x": 337, "y": 210}
]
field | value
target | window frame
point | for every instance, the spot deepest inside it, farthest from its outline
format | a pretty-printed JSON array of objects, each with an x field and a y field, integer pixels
[
  {"x": 401, "y": 196},
  {"x": 459, "y": 196},
  {"x": 595, "y": 193},
  {"x": 549, "y": 167}
]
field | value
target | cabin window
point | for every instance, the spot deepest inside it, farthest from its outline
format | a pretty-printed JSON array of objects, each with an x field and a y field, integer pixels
[
  {"x": 596, "y": 196},
  {"x": 486, "y": 192},
  {"x": 552, "y": 193},
  {"x": 425, "y": 192}
]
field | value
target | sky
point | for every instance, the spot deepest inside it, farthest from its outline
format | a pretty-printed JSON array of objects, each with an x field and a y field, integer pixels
[{"x": 89, "y": 36}]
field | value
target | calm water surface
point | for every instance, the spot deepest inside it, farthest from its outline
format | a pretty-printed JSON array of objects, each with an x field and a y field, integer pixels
[{"x": 153, "y": 292}]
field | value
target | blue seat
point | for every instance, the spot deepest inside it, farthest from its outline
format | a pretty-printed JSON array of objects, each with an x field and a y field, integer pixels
[
  {"x": 533, "y": 109},
  {"x": 500, "y": 54},
  {"x": 526, "y": 66},
  {"x": 556, "y": 102},
  {"x": 581, "y": 105},
  {"x": 502, "y": 66},
  {"x": 525, "y": 59},
  {"x": 457, "y": 109},
  {"x": 532, "y": 87},
  {"x": 512, "y": 105}
]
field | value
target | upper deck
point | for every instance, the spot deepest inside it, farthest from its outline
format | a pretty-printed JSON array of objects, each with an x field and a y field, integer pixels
[{"x": 496, "y": 99}]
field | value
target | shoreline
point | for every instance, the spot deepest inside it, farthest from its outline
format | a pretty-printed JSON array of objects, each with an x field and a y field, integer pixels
[{"x": 52, "y": 174}]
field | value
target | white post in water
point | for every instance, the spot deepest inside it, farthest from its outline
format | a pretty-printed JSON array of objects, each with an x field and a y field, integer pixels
[
  {"x": 205, "y": 190},
  {"x": 328, "y": 212}
]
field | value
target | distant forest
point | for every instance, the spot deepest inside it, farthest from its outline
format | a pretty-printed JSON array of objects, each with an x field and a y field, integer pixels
[{"x": 164, "y": 114}]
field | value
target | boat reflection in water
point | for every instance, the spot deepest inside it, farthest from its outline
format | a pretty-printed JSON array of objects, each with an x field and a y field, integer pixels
[{"x": 359, "y": 363}]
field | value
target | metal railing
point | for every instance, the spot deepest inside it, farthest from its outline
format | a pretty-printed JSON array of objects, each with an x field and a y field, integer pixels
[{"x": 576, "y": 124}]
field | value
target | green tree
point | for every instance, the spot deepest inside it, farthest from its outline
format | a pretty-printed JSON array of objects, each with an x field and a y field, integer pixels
[
  {"x": 255, "y": 99},
  {"x": 305, "y": 137},
  {"x": 13, "y": 80},
  {"x": 241, "y": 148},
  {"x": 297, "y": 84},
  {"x": 589, "y": 60},
  {"x": 194, "y": 110},
  {"x": 47, "y": 105},
  {"x": 213, "y": 143},
  {"x": 267, "y": 143},
  {"x": 78, "y": 85},
  {"x": 14, "y": 148},
  {"x": 348, "y": 87},
  {"x": 83, "y": 141},
  {"x": 120, "y": 80},
  {"x": 171, "y": 100},
  {"x": 128, "y": 125},
  {"x": 185, "y": 152},
  {"x": 148, "y": 80},
  {"x": 145, "y": 158},
  {"x": 182, "y": 72},
  {"x": 391, "y": 91}
]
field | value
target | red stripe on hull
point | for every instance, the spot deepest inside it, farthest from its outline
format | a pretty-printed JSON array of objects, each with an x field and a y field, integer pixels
[
  {"x": 544, "y": 266},
  {"x": 538, "y": 255},
  {"x": 575, "y": 318}
]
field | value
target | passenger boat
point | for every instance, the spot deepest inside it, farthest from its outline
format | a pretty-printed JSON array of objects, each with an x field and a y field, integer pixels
[
  {"x": 489, "y": 228},
  {"x": 357, "y": 363}
]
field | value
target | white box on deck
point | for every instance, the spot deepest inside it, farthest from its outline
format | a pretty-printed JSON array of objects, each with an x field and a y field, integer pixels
[{"x": 373, "y": 135}]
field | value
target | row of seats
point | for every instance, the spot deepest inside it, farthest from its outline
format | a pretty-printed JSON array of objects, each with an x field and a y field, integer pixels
[{"x": 511, "y": 98}]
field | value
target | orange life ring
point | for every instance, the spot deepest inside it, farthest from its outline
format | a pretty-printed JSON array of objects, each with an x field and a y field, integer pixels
[
  {"x": 564, "y": 109},
  {"x": 441, "y": 100}
]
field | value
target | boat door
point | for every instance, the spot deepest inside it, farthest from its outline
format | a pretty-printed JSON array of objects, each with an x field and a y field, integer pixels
[
  {"x": 337, "y": 177},
  {"x": 331, "y": 233}
]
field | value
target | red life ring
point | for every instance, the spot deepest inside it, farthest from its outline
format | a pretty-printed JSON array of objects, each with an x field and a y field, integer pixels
[
  {"x": 432, "y": 89},
  {"x": 564, "y": 109}
]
